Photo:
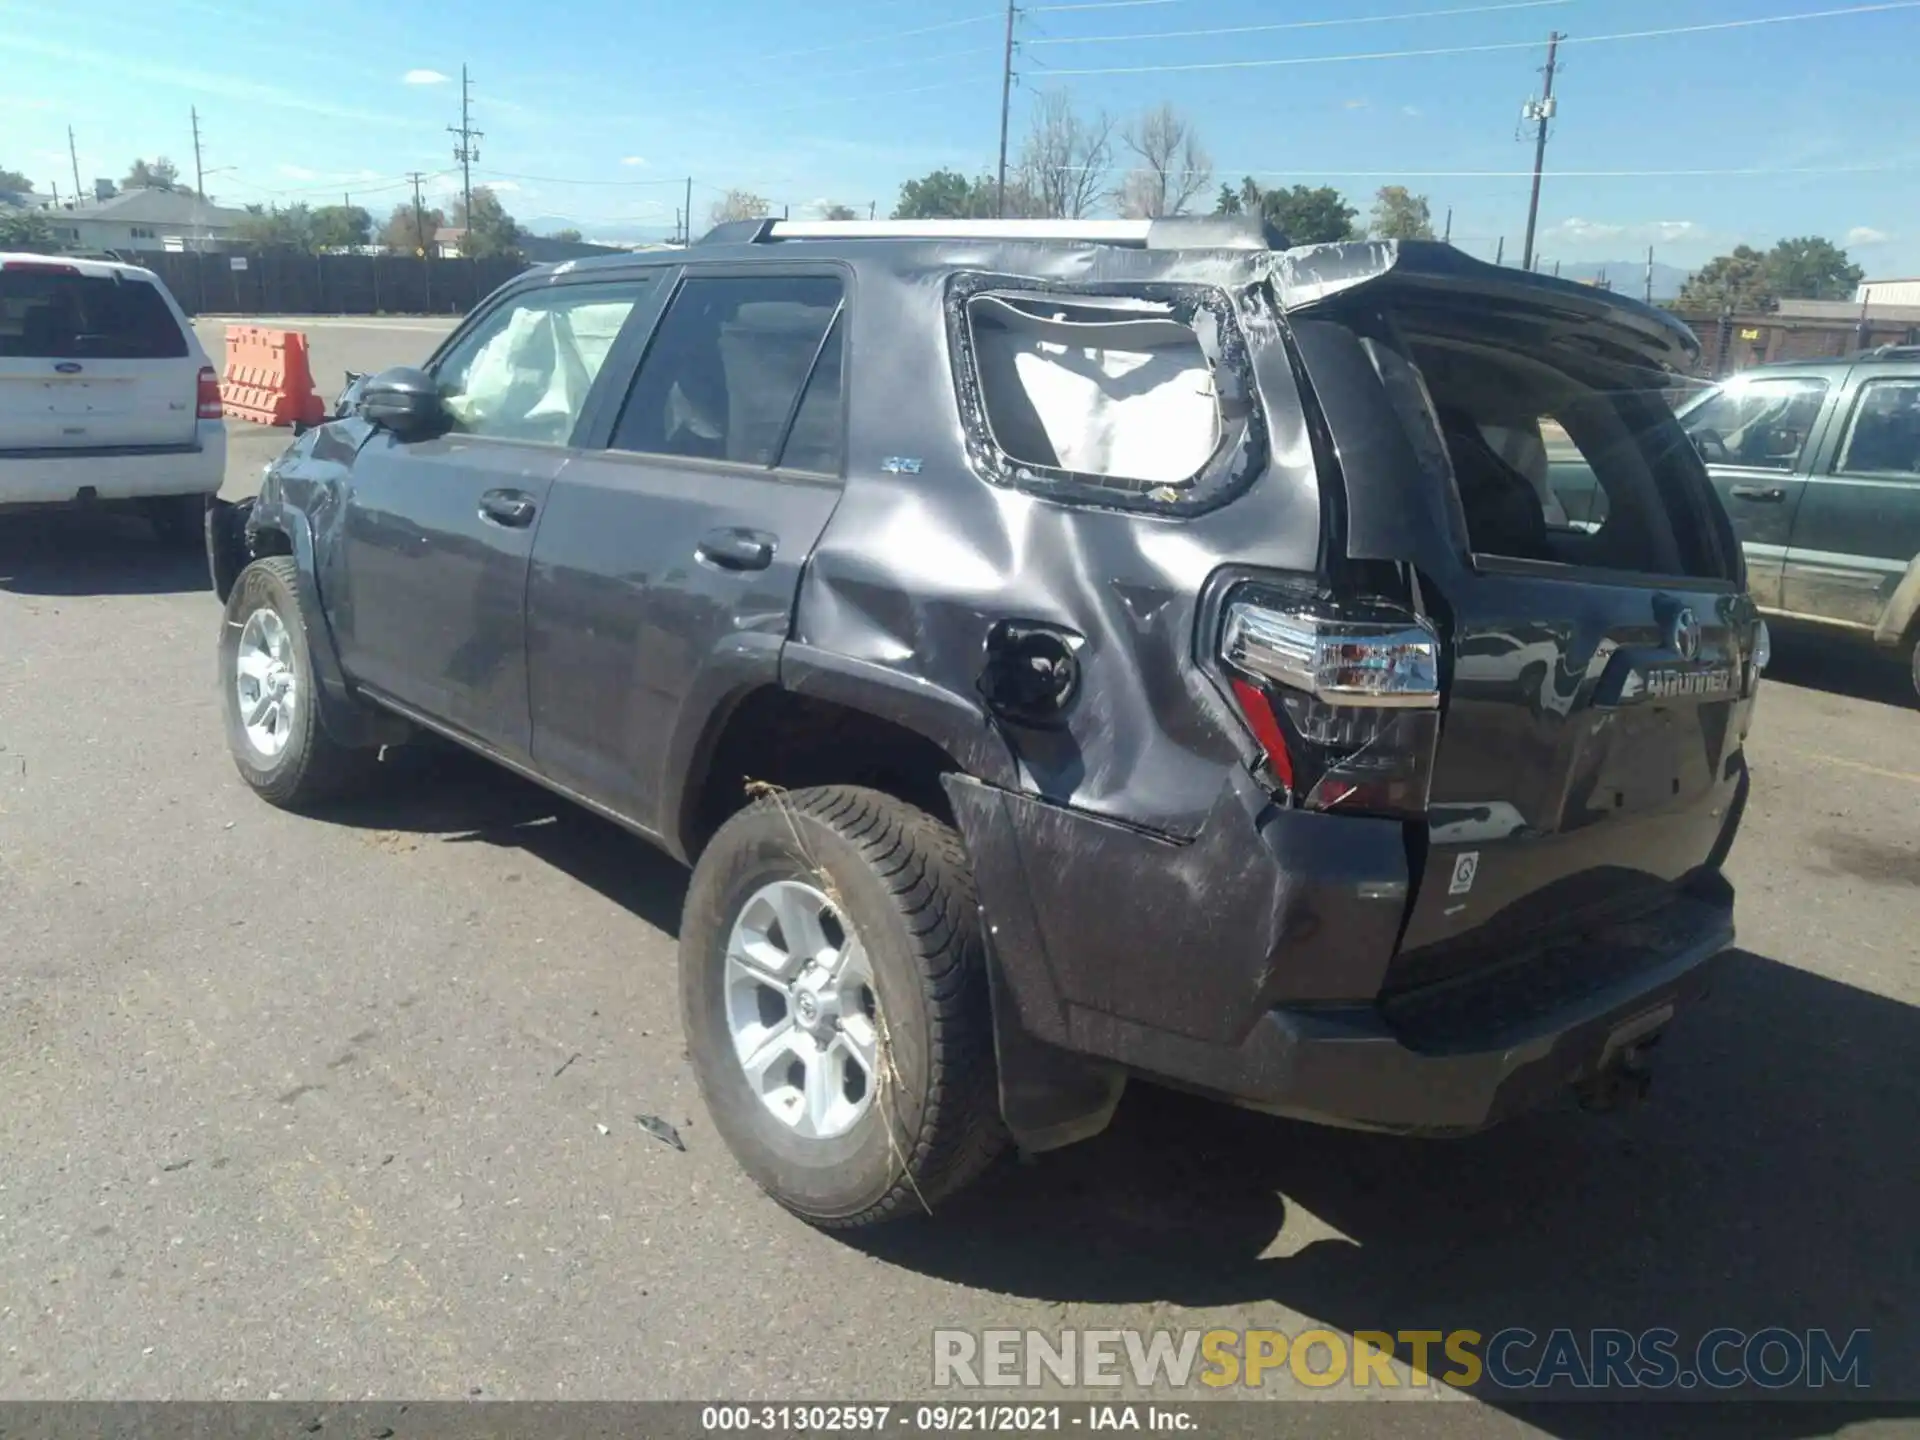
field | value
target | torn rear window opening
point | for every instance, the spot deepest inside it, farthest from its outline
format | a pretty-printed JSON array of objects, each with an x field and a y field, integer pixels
[{"x": 1137, "y": 397}]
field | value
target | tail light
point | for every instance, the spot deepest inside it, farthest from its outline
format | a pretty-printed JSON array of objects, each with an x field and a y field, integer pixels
[
  {"x": 209, "y": 395},
  {"x": 1343, "y": 697}
]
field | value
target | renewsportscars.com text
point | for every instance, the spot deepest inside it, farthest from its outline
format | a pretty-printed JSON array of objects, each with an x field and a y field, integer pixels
[{"x": 1511, "y": 1359}]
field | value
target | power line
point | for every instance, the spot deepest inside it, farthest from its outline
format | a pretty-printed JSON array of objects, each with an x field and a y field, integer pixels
[
  {"x": 563, "y": 180},
  {"x": 1877, "y": 167},
  {"x": 1303, "y": 24},
  {"x": 865, "y": 40},
  {"x": 1506, "y": 45},
  {"x": 1103, "y": 5}
]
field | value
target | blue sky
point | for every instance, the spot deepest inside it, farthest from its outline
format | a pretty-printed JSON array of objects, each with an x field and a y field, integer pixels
[{"x": 595, "y": 110}]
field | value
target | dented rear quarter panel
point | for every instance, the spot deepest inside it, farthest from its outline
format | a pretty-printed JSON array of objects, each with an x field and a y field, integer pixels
[{"x": 916, "y": 568}]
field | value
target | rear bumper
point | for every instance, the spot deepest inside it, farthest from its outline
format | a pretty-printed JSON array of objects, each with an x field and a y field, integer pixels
[
  {"x": 129, "y": 472},
  {"x": 1245, "y": 965}
]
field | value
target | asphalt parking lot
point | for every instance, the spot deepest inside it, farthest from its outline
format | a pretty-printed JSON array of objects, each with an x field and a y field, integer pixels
[{"x": 347, "y": 1107}]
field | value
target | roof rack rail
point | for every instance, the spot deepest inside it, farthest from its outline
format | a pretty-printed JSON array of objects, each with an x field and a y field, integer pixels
[
  {"x": 1890, "y": 352},
  {"x": 1174, "y": 233}
]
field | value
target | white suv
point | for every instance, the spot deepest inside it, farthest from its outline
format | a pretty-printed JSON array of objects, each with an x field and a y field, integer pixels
[{"x": 105, "y": 393}]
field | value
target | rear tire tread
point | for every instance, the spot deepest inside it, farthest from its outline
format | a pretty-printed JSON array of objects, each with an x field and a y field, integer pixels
[{"x": 923, "y": 866}]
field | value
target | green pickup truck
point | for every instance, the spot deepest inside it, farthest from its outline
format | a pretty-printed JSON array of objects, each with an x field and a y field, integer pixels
[{"x": 1818, "y": 464}]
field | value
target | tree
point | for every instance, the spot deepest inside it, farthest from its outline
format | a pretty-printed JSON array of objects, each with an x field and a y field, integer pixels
[
  {"x": 14, "y": 182},
  {"x": 490, "y": 230},
  {"x": 341, "y": 227},
  {"x": 944, "y": 195},
  {"x": 1399, "y": 214},
  {"x": 1065, "y": 160},
  {"x": 159, "y": 173},
  {"x": 839, "y": 212},
  {"x": 1306, "y": 216},
  {"x": 291, "y": 228},
  {"x": 26, "y": 230},
  {"x": 1811, "y": 268},
  {"x": 739, "y": 205},
  {"x": 569, "y": 235},
  {"x": 1734, "y": 281},
  {"x": 1174, "y": 167},
  {"x": 409, "y": 231}
]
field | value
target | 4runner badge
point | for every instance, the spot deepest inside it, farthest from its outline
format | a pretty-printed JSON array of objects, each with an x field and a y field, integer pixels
[{"x": 1465, "y": 867}]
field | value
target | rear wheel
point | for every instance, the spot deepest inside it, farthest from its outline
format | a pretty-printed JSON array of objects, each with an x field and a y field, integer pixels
[
  {"x": 1913, "y": 663},
  {"x": 178, "y": 519},
  {"x": 834, "y": 997},
  {"x": 268, "y": 694}
]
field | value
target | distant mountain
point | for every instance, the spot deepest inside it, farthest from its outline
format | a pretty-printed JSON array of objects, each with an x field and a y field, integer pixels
[
  {"x": 1629, "y": 277},
  {"x": 619, "y": 232}
]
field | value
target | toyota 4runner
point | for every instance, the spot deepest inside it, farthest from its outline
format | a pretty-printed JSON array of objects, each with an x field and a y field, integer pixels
[{"x": 1064, "y": 652}]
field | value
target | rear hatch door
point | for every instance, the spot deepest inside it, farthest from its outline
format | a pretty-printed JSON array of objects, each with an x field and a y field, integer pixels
[
  {"x": 1509, "y": 440},
  {"x": 91, "y": 360}
]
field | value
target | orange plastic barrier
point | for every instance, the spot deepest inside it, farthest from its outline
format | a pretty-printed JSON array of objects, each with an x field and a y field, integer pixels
[{"x": 268, "y": 378}]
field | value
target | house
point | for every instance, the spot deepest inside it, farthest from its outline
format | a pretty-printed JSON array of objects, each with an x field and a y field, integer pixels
[
  {"x": 446, "y": 241},
  {"x": 146, "y": 220}
]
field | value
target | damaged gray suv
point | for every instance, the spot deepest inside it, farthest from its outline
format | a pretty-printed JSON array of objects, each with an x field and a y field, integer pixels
[{"x": 1065, "y": 652}]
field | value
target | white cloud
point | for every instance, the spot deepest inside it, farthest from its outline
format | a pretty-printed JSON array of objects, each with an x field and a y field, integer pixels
[
  {"x": 1413, "y": 110},
  {"x": 298, "y": 172},
  {"x": 1356, "y": 104},
  {"x": 424, "y": 77},
  {"x": 1575, "y": 231},
  {"x": 1866, "y": 235},
  {"x": 633, "y": 160},
  {"x": 503, "y": 187}
]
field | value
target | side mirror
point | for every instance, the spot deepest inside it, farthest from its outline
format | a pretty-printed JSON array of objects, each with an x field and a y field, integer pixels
[{"x": 405, "y": 401}]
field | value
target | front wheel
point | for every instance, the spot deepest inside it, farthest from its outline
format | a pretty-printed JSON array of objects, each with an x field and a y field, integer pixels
[
  {"x": 834, "y": 996},
  {"x": 269, "y": 694}
]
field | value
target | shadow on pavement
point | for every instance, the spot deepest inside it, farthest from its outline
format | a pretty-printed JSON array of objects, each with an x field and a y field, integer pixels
[
  {"x": 1770, "y": 1180},
  {"x": 105, "y": 552},
  {"x": 436, "y": 788},
  {"x": 1860, "y": 671}
]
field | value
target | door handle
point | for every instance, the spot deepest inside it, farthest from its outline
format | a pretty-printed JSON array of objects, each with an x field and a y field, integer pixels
[
  {"x": 732, "y": 549},
  {"x": 1766, "y": 494},
  {"x": 511, "y": 508}
]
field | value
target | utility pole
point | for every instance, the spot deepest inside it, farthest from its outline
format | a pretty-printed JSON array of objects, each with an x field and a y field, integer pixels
[
  {"x": 419, "y": 215},
  {"x": 74, "y": 156},
  {"x": 1649, "y": 287},
  {"x": 1448, "y": 237},
  {"x": 1006, "y": 111},
  {"x": 466, "y": 152},
  {"x": 199, "y": 175},
  {"x": 873, "y": 208},
  {"x": 1500, "y": 252},
  {"x": 686, "y": 236},
  {"x": 1541, "y": 112}
]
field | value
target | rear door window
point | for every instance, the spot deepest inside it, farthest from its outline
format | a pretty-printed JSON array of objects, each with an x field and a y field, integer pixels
[
  {"x": 51, "y": 316},
  {"x": 724, "y": 375},
  {"x": 1757, "y": 424},
  {"x": 1883, "y": 434}
]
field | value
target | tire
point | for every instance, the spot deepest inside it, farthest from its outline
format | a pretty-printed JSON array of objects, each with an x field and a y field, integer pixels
[
  {"x": 1913, "y": 663},
  {"x": 308, "y": 766},
  {"x": 895, "y": 880},
  {"x": 179, "y": 520}
]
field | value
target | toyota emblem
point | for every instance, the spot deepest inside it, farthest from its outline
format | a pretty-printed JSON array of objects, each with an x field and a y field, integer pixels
[{"x": 1686, "y": 635}]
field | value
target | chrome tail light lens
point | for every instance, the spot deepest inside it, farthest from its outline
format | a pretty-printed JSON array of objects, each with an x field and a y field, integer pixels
[{"x": 1344, "y": 698}]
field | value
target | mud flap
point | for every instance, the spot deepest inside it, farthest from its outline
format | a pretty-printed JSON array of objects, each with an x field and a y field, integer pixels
[
  {"x": 226, "y": 528},
  {"x": 1049, "y": 1098}
]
